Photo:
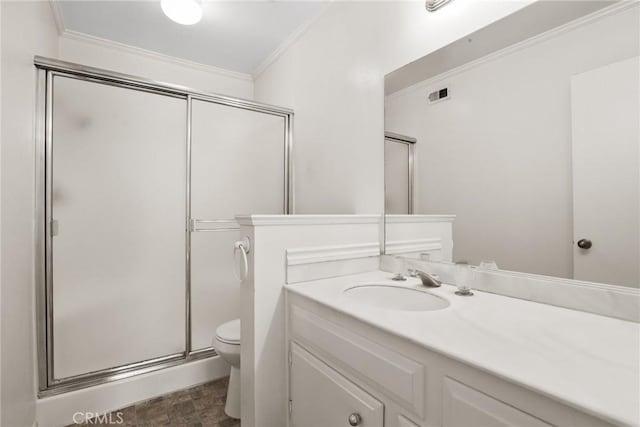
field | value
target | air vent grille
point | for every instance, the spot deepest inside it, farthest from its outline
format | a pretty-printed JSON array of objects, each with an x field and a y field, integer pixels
[{"x": 438, "y": 95}]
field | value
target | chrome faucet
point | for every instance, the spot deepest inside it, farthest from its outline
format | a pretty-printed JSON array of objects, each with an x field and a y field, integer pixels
[{"x": 426, "y": 278}]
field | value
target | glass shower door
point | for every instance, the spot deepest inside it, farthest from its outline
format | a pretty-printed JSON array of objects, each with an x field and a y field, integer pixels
[
  {"x": 398, "y": 177},
  {"x": 238, "y": 159},
  {"x": 117, "y": 191}
]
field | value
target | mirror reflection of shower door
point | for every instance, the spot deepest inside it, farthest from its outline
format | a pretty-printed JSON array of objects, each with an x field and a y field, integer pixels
[
  {"x": 237, "y": 167},
  {"x": 398, "y": 174},
  {"x": 117, "y": 197}
]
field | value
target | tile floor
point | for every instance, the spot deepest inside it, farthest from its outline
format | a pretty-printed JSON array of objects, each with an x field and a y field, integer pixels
[{"x": 201, "y": 406}]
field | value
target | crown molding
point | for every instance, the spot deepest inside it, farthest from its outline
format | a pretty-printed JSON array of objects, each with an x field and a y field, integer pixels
[
  {"x": 110, "y": 44},
  {"x": 289, "y": 41},
  {"x": 312, "y": 255},
  {"x": 393, "y": 247},
  {"x": 57, "y": 16},
  {"x": 273, "y": 56},
  {"x": 615, "y": 8},
  {"x": 76, "y": 36}
]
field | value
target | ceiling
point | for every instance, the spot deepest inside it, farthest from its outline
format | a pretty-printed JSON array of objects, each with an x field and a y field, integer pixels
[{"x": 234, "y": 35}]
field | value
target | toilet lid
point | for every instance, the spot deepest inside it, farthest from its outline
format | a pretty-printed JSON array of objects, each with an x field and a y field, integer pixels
[{"x": 229, "y": 332}]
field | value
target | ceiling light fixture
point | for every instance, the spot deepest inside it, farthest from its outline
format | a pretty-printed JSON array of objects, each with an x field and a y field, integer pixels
[
  {"x": 185, "y": 12},
  {"x": 433, "y": 5}
]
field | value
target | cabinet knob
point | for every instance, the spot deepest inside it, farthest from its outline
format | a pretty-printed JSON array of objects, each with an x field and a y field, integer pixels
[
  {"x": 584, "y": 244},
  {"x": 355, "y": 419}
]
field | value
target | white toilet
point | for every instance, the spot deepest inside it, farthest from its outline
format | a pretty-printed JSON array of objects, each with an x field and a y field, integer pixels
[{"x": 227, "y": 345}]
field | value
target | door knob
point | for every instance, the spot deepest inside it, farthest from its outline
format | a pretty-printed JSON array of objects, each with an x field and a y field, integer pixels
[
  {"x": 585, "y": 244},
  {"x": 355, "y": 419}
]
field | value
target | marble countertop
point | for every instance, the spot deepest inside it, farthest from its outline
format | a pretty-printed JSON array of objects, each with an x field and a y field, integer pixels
[{"x": 586, "y": 361}]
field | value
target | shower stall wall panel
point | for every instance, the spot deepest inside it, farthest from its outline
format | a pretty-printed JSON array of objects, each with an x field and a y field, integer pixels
[
  {"x": 117, "y": 176},
  {"x": 237, "y": 167}
]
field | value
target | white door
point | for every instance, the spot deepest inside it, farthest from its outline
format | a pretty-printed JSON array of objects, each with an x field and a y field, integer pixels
[
  {"x": 606, "y": 181},
  {"x": 321, "y": 397}
]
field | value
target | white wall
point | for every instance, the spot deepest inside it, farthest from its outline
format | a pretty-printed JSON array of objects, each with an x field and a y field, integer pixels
[
  {"x": 27, "y": 29},
  {"x": 273, "y": 238},
  {"x": 498, "y": 153},
  {"x": 333, "y": 76},
  {"x": 123, "y": 59}
]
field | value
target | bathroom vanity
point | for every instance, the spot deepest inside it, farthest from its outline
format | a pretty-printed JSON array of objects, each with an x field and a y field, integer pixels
[{"x": 372, "y": 357}]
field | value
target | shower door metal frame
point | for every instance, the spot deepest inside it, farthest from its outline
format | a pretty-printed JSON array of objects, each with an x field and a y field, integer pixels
[
  {"x": 48, "y": 68},
  {"x": 410, "y": 142}
]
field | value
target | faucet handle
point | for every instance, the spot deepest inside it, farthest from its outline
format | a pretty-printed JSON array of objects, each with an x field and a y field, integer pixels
[{"x": 399, "y": 277}]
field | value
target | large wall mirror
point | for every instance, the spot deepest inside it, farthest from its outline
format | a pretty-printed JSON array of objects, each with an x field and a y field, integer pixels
[{"x": 528, "y": 131}]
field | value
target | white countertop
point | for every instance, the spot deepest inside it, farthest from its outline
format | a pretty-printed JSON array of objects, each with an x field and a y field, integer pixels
[{"x": 586, "y": 361}]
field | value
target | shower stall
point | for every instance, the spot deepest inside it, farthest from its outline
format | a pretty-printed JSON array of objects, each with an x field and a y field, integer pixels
[{"x": 138, "y": 186}]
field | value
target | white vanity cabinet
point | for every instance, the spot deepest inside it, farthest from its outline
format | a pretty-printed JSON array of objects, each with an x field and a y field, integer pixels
[
  {"x": 343, "y": 367},
  {"x": 323, "y": 397}
]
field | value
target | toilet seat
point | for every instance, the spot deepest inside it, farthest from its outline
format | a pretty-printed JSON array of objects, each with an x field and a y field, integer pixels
[
  {"x": 227, "y": 346},
  {"x": 229, "y": 333}
]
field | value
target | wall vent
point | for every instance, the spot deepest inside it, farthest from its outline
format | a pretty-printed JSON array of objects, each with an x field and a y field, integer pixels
[{"x": 439, "y": 95}]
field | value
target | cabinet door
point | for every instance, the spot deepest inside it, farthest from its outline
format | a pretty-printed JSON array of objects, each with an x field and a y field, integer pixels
[
  {"x": 321, "y": 397},
  {"x": 465, "y": 406}
]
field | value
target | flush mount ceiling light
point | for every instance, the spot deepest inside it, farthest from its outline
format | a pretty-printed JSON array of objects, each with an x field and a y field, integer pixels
[
  {"x": 433, "y": 5},
  {"x": 185, "y": 12}
]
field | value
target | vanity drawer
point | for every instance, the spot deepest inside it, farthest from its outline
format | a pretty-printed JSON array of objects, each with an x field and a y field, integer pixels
[
  {"x": 321, "y": 397},
  {"x": 397, "y": 376},
  {"x": 464, "y": 406}
]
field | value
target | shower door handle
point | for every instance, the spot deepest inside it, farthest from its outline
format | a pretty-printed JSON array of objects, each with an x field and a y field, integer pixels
[
  {"x": 213, "y": 225},
  {"x": 53, "y": 227}
]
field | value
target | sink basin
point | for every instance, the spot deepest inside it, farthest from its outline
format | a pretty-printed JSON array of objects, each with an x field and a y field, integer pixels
[{"x": 395, "y": 297}]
